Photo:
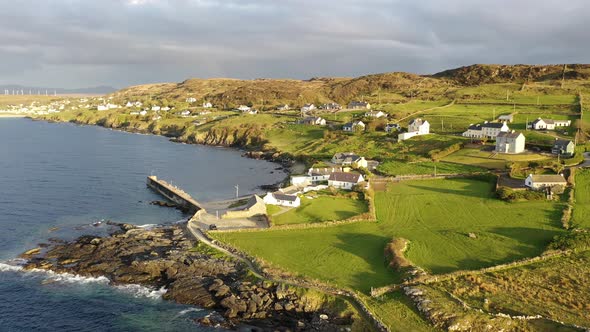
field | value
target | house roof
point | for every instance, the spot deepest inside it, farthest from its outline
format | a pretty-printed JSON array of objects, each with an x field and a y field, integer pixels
[
  {"x": 508, "y": 134},
  {"x": 345, "y": 177},
  {"x": 561, "y": 143},
  {"x": 506, "y": 117},
  {"x": 548, "y": 178},
  {"x": 346, "y": 156},
  {"x": 253, "y": 200},
  {"x": 358, "y": 103},
  {"x": 493, "y": 125},
  {"x": 417, "y": 121},
  {"x": 284, "y": 197}
]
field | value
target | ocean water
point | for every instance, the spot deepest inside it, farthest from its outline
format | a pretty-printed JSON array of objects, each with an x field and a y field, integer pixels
[{"x": 57, "y": 179}]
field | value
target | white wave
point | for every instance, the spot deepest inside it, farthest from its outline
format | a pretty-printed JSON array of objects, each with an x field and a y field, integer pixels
[
  {"x": 148, "y": 226},
  {"x": 186, "y": 311},
  {"x": 70, "y": 277},
  {"x": 10, "y": 268},
  {"x": 142, "y": 291}
]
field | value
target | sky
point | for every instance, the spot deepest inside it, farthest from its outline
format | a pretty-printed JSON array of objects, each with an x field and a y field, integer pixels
[{"x": 83, "y": 43}]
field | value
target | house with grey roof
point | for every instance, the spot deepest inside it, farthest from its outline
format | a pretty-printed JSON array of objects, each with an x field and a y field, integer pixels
[
  {"x": 510, "y": 142},
  {"x": 359, "y": 105},
  {"x": 487, "y": 130},
  {"x": 349, "y": 159},
  {"x": 354, "y": 126},
  {"x": 282, "y": 199},
  {"x": 541, "y": 181},
  {"x": 549, "y": 124},
  {"x": 314, "y": 121},
  {"x": 563, "y": 147},
  {"x": 345, "y": 180},
  {"x": 506, "y": 118}
]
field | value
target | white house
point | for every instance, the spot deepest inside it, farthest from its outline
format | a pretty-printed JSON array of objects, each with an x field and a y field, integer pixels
[
  {"x": 243, "y": 108},
  {"x": 314, "y": 121},
  {"x": 422, "y": 127},
  {"x": 416, "y": 127},
  {"x": 549, "y": 124},
  {"x": 510, "y": 142},
  {"x": 185, "y": 113},
  {"x": 191, "y": 100},
  {"x": 356, "y": 105},
  {"x": 165, "y": 108},
  {"x": 375, "y": 114},
  {"x": 283, "y": 107},
  {"x": 156, "y": 108},
  {"x": 343, "y": 180},
  {"x": 488, "y": 130},
  {"x": 138, "y": 104},
  {"x": 540, "y": 181},
  {"x": 102, "y": 108},
  {"x": 250, "y": 111},
  {"x": 331, "y": 106},
  {"x": 353, "y": 126},
  {"x": 319, "y": 174},
  {"x": 278, "y": 198},
  {"x": 301, "y": 180},
  {"x": 308, "y": 107},
  {"x": 207, "y": 105},
  {"x": 349, "y": 159},
  {"x": 129, "y": 104},
  {"x": 142, "y": 113},
  {"x": 204, "y": 112}
]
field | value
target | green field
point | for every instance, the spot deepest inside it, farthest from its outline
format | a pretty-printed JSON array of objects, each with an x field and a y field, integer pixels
[
  {"x": 398, "y": 313},
  {"x": 581, "y": 216},
  {"x": 393, "y": 167},
  {"x": 435, "y": 215},
  {"x": 487, "y": 159},
  {"x": 323, "y": 208}
]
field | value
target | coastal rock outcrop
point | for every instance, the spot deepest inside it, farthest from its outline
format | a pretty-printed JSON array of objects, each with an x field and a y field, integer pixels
[{"x": 166, "y": 257}]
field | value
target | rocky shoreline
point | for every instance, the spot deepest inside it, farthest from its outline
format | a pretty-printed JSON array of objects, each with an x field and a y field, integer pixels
[{"x": 192, "y": 273}]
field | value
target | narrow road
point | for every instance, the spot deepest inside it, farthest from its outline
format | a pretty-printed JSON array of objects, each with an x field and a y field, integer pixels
[{"x": 351, "y": 297}]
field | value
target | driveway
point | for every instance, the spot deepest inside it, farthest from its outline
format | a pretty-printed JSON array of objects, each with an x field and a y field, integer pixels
[{"x": 586, "y": 162}]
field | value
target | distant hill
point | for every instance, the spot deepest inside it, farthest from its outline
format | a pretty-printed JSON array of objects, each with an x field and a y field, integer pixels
[
  {"x": 98, "y": 90},
  {"x": 385, "y": 87}
]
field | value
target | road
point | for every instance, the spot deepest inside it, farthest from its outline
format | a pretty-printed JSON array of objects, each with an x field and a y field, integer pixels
[{"x": 586, "y": 162}]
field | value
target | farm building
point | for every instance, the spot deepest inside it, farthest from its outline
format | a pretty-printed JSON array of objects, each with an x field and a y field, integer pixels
[
  {"x": 563, "y": 147},
  {"x": 284, "y": 107},
  {"x": 344, "y": 180},
  {"x": 540, "y": 181},
  {"x": 506, "y": 118},
  {"x": 279, "y": 198},
  {"x": 510, "y": 142},
  {"x": 319, "y": 174}
]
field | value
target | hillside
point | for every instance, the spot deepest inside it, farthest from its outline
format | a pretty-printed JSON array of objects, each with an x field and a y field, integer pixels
[{"x": 377, "y": 88}]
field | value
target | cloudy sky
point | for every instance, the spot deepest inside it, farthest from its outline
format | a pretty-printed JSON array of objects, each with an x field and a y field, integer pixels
[{"x": 80, "y": 43}]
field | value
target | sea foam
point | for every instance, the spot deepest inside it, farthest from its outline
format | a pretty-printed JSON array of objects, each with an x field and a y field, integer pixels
[{"x": 142, "y": 291}]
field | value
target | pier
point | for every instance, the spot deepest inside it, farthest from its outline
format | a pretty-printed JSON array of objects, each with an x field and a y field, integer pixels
[{"x": 175, "y": 194}]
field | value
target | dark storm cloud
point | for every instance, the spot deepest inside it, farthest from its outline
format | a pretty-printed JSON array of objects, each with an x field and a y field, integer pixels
[{"x": 120, "y": 42}]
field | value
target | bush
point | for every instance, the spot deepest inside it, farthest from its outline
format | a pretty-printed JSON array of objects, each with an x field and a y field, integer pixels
[
  {"x": 509, "y": 195},
  {"x": 579, "y": 240},
  {"x": 437, "y": 154},
  {"x": 394, "y": 253}
]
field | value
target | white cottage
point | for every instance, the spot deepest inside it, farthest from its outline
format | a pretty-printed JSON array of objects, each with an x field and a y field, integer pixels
[
  {"x": 540, "y": 181},
  {"x": 345, "y": 181},
  {"x": 510, "y": 142},
  {"x": 279, "y": 198}
]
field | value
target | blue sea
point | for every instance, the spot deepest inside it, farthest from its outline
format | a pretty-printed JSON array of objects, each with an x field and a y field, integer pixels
[{"x": 58, "y": 179}]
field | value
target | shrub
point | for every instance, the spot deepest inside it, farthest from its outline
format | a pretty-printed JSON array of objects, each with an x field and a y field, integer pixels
[
  {"x": 394, "y": 253},
  {"x": 509, "y": 195},
  {"x": 437, "y": 154},
  {"x": 573, "y": 240}
]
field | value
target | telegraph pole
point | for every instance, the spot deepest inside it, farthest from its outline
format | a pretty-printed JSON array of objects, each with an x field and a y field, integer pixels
[{"x": 237, "y": 190}]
